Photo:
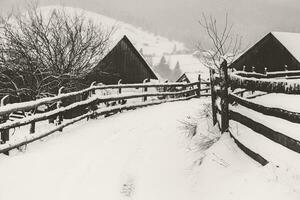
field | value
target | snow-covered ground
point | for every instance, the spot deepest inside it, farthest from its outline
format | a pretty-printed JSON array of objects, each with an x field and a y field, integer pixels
[
  {"x": 284, "y": 101},
  {"x": 143, "y": 154}
]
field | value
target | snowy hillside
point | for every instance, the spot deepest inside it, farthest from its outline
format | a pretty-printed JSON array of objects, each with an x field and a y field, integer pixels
[
  {"x": 187, "y": 63},
  {"x": 151, "y": 44}
]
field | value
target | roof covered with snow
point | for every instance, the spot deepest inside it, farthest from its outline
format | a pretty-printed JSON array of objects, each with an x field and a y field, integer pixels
[
  {"x": 274, "y": 51},
  {"x": 291, "y": 41}
]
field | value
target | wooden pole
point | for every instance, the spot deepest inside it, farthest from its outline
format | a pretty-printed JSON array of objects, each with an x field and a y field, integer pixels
[
  {"x": 199, "y": 86},
  {"x": 165, "y": 89},
  {"x": 145, "y": 89},
  {"x": 93, "y": 107},
  {"x": 224, "y": 98},
  {"x": 213, "y": 96},
  {"x": 266, "y": 70},
  {"x": 120, "y": 90},
  {"x": 92, "y": 91},
  {"x": 32, "y": 127},
  {"x": 58, "y": 105},
  {"x": 3, "y": 119}
]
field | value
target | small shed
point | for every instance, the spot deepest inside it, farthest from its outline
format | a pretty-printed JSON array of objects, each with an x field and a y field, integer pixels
[
  {"x": 275, "y": 51},
  {"x": 122, "y": 62},
  {"x": 189, "y": 77}
]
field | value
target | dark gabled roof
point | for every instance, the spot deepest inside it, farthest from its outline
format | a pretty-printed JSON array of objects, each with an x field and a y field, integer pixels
[
  {"x": 290, "y": 42},
  {"x": 182, "y": 77},
  {"x": 135, "y": 51},
  {"x": 190, "y": 77}
]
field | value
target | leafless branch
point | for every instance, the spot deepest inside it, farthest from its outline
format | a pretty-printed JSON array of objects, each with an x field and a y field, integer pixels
[
  {"x": 222, "y": 43},
  {"x": 39, "y": 53}
]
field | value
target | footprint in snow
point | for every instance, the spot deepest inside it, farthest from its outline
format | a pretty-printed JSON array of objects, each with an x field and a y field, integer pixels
[{"x": 128, "y": 188}]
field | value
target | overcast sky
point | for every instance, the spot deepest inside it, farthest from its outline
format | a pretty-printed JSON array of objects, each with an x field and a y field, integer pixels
[{"x": 177, "y": 19}]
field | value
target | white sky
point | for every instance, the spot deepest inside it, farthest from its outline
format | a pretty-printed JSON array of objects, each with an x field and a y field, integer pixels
[{"x": 177, "y": 19}]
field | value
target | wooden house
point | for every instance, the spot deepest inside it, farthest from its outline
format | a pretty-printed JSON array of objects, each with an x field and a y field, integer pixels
[
  {"x": 189, "y": 77},
  {"x": 122, "y": 62},
  {"x": 275, "y": 51}
]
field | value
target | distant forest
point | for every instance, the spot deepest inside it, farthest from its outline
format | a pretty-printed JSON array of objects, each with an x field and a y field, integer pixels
[{"x": 165, "y": 72}]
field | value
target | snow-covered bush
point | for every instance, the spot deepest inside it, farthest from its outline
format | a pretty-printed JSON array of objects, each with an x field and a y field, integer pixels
[{"x": 201, "y": 129}]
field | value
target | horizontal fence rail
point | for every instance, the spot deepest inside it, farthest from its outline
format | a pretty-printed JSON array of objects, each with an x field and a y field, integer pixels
[
  {"x": 259, "y": 128},
  {"x": 275, "y": 112},
  {"x": 276, "y": 74},
  {"x": 249, "y": 152},
  {"x": 180, "y": 92},
  {"x": 86, "y": 103},
  {"x": 264, "y": 84},
  {"x": 33, "y": 104},
  {"x": 225, "y": 83},
  {"x": 15, "y": 144}
]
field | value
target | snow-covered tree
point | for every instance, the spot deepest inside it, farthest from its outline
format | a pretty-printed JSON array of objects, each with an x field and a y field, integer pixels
[{"x": 40, "y": 53}]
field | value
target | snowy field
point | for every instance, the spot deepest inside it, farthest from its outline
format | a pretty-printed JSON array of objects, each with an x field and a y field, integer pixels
[{"x": 145, "y": 154}]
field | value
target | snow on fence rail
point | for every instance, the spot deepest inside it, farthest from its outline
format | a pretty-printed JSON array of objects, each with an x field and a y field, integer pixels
[
  {"x": 276, "y": 74},
  {"x": 269, "y": 85},
  {"x": 32, "y": 104},
  {"x": 91, "y": 105},
  {"x": 227, "y": 105}
]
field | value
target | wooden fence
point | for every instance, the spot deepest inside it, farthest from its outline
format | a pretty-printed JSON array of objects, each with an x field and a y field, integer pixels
[
  {"x": 223, "y": 86},
  {"x": 162, "y": 93}
]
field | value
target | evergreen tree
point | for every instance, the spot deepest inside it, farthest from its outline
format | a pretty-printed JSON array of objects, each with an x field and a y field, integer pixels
[
  {"x": 176, "y": 72},
  {"x": 163, "y": 69}
]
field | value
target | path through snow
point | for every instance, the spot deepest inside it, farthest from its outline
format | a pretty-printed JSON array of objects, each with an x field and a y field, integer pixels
[{"x": 137, "y": 155}]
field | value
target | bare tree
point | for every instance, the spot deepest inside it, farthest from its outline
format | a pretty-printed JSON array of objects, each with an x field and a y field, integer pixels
[
  {"x": 222, "y": 43},
  {"x": 40, "y": 53}
]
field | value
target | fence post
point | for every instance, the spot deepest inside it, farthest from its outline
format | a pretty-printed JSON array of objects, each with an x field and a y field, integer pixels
[
  {"x": 145, "y": 89},
  {"x": 93, "y": 91},
  {"x": 93, "y": 106},
  {"x": 266, "y": 70},
  {"x": 58, "y": 105},
  {"x": 120, "y": 90},
  {"x": 213, "y": 96},
  {"x": 199, "y": 86},
  {"x": 224, "y": 98},
  {"x": 165, "y": 89},
  {"x": 4, "y": 118},
  {"x": 32, "y": 127}
]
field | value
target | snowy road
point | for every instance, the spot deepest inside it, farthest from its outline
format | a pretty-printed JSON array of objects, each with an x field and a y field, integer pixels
[
  {"x": 142, "y": 155},
  {"x": 135, "y": 155}
]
